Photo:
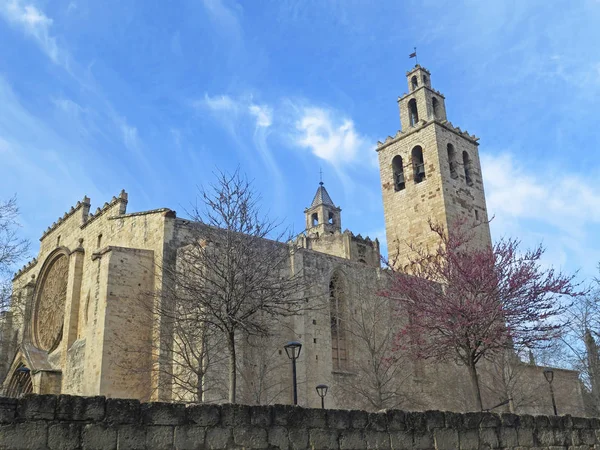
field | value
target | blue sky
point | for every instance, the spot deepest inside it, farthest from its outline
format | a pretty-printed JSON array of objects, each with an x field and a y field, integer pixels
[{"x": 96, "y": 96}]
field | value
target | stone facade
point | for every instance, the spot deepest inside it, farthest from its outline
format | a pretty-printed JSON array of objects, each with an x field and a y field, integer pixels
[
  {"x": 67, "y": 422},
  {"x": 79, "y": 324}
]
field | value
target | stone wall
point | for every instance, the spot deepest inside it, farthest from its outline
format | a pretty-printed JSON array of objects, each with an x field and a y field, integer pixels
[{"x": 68, "y": 422}]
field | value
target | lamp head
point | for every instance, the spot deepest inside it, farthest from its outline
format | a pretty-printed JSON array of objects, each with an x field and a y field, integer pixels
[
  {"x": 549, "y": 375},
  {"x": 292, "y": 349},
  {"x": 322, "y": 390}
]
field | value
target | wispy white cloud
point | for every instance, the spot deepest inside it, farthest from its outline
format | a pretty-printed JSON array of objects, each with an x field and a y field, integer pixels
[
  {"x": 35, "y": 24},
  {"x": 226, "y": 18},
  {"x": 130, "y": 137},
  {"x": 331, "y": 136},
  {"x": 263, "y": 114}
]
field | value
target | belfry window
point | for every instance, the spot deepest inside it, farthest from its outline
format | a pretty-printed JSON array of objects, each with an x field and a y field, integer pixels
[
  {"x": 414, "y": 83},
  {"x": 435, "y": 104},
  {"x": 452, "y": 160},
  {"x": 413, "y": 113},
  {"x": 398, "y": 171},
  {"x": 418, "y": 164},
  {"x": 467, "y": 167},
  {"x": 330, "y": 218},
  {"x": 337, "y": 310},
  {"x": 314, "y": 219}
]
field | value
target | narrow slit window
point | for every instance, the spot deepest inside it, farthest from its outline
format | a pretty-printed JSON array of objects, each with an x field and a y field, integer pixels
[
  {"x": 467, "y": 167},
  {"x": 452, "y": 160},
  {"x": 435, "y": 104},
  {"x": 414, "y": 82}
]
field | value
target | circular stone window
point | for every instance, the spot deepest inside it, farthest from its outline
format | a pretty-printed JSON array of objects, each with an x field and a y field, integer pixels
[{"x": 50, "y": 305}]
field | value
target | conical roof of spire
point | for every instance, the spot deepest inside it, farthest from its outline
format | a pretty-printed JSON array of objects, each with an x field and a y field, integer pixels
[{"x": 321, "y": 197}]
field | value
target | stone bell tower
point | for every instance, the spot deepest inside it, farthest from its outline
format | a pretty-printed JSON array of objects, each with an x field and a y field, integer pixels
[
  {"x": 429, "y": 170},
  {"x": 322, "y": 216}
]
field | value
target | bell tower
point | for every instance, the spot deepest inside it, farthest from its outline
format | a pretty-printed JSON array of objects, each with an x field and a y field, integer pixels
[
  {"x": 322, "y": 216},
  {"x": 430, "y": 171}
]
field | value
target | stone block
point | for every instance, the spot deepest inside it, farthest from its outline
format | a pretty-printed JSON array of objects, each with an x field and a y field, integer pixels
[
  {"x": 555, "y": 422},
  {"x": 489, "y": 420},
  {"x": 36, "y": 407},
  {"x": 359, "y": 419},
  {"x": 541, "y": 422},
  {"x": 234, "y": 415},
  {"x": 203, "y": 415},
  {"x": 471, "y": 420},
  {"x": 71, "y": 407},
  {"x": 423, "y": 440},
  {"x": 588, "y": 436},
  {"x": 64, "y": 436},
  {"x": 377, "y": 439},
  {"x": 525, "y": 436},
  {"x": 488, "y": 438},
  {"x": 544, "y": 436},
  {"x": 261, "y": 416},
  {"x": 189, "y": 437},
  {"x": 250, "y": 437},
  {"x": 323, "y": 439},
  {"x": 509, "y": 420},
  {"x": 445, "y": 439},
  {"x": 121, "y": 410},
  {"x": 219, "y": 438},
  {"x": 469, "y": 439},
  {"x": 281, "y": 414},
  {"x": 435, "y": 419},
  {"x": 453, "y": 420},
  {"x": 377, "y": 422},
  {"x": 352, "y": 440},
  {"x": 581, "y": 423},
  {"x": 508, "y": 437},
  {"x": 338, "y": 419},
  {"x": 25, "y": 435},
  {"x": 526, "y": 421},
  {"x": 157, "y": 413},
  {"x": 416, "y": 421},
  {"x": 401, "y": 440},
  {"x": 8, "y": 409},
  {"x": 306, "y": 418},
  {"x": 563, "y": 437},
  {"x": 99, "y": 436},
  {"x": 567, "y": 420},
  {"x": 131, "y": 437},
  {"x": 160, "y": 437},
  {"x": 396, "y": 420},
  {"x": 278, "y": 437},
  {"x": 298, "y": 438}
]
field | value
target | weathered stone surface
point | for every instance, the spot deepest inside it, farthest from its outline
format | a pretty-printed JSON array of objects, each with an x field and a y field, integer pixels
[
  {"x": 377, "y": 439},
  {"x": 156, "y": 413},
  {"x": 278, "y": 437},
  {"x": 298, "y": 438},
  {"x": 71, "y": 407},
  {"x": 189, "y": 437},
  {"x": 261, "y": 416},
  {"x": 64, "y": 436},
  {"x": 36, "y": 407},
  {"x": 250, "y": 437},
  {"x": 359, "y": 419},
  {"x": 469, "y": 439},
  {"x": 8, "y": 409},
  {"x": 203, "y": 415},
  {"x": 26, "y": 435},
  {"x": 338, "y": 419},
  {"x": 352, "y": 440},
  {"x": 98, "y": 436},
  {"x": 445, "y": 439},
  {"x": 119, "y": 410},
  {"x": 131, "y": 437},
  {"x": 160, "y": 437},
  {"x": 219, "y": 437},
  {"x": 435, "y": 419},
  {"x": 323, "y": 439},
  {"x": 396, "y": 420}
]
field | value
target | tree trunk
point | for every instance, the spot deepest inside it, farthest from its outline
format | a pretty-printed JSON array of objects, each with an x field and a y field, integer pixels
[
  {"x": 232, "y": 364},
  {"x": 475, "y": 384},
  {"x": 593, "y": 360}
]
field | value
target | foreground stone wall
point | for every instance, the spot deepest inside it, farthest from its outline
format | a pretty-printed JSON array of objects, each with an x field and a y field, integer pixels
[{"x": 68, "y": 422}]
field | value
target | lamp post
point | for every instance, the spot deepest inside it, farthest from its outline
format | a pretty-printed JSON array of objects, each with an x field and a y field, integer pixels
[
  {"x": 549, "y": 375},
  {"x": 292, "y": 349},
  {"x": 322, "y": 391}
]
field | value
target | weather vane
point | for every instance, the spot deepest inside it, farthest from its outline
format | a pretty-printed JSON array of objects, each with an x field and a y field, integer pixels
[
  {"x": 320, "y": 176},
  {"x": 414, "y": 55}
]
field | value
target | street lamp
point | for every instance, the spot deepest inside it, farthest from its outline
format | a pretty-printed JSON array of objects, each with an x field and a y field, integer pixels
[
  {"x": 292, "y": 349},
  {"x": 322, "y": 391},
  {"x": 549, "y": 375}
]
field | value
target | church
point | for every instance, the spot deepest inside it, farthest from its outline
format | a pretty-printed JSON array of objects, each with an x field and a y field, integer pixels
[{"x": 74, "y": 323}]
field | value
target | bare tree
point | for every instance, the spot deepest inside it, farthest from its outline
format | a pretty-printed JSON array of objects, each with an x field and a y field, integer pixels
[
  {"x": 381, "y": 377},
  {"x": 235, "y": 272},
  {"x": 12, "y": 248}
]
